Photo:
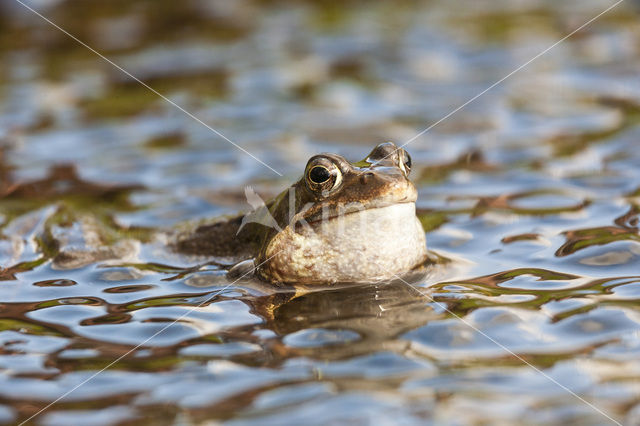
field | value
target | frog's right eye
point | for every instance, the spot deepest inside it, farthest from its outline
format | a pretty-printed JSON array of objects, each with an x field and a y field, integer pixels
[
  {"x": 323, "y": 176},
  {"x": 405, "y": 161}
]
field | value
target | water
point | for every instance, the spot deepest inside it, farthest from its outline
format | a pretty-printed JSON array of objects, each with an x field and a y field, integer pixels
[{"x": 532, "y": 189}]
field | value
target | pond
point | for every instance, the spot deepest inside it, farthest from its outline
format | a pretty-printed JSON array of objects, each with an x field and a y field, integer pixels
[{"x": 123, "y": 123}]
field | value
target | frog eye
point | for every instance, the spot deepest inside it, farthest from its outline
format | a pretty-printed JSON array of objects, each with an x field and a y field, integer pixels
[
  {"x": 323, "y": 177},
  {"x": 319, "y": 174},
  {"x": 405, "y": 162}
]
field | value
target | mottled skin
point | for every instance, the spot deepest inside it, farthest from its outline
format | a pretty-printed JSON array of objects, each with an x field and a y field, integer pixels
[{"x": 358, "y": 225}]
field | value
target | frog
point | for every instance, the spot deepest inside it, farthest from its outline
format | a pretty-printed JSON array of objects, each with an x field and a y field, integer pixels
[{"x": 341, "y": 222}]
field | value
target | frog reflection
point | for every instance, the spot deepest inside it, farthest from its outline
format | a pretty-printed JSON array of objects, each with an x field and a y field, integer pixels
[{"x": 377, "y": 313}]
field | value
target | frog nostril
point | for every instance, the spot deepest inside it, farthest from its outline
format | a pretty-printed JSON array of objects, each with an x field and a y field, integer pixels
[{"x": 366, "y": 178}]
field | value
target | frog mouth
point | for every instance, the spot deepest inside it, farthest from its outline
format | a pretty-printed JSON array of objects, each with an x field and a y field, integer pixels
[{"x": 349, "y": 211}]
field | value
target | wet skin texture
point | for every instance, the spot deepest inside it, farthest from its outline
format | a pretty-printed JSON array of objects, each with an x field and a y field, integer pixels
[{"x": 341, "y": 222}]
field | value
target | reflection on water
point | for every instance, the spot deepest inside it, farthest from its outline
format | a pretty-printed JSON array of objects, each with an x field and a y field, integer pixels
[{"x": 531, "y": 191}]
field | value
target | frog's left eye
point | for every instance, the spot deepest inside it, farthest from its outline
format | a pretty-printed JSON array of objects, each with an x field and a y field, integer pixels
[
  {"x": 405, "y": 161},
  {"x": 319, "y": 175},
  {"x": 323, "y": 177}
]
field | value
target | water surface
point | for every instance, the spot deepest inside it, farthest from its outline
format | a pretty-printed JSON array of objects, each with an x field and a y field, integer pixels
[{"x": 532, "y": 190}]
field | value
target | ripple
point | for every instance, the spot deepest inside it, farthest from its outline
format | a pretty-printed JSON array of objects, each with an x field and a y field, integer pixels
[
  {"x": 608, "y": 258},
  {"x": 78, "y": 353},
  {"x": 287, "y": 396},
  {"x": 491, "y": 332},
  {"x": 7, "y": 415},
  {"x": 533, "y": 282},
  {"x": 129, "y": 288},
  {"x": 377, "y": 366},
  {"x": 108, "y": 415},
  {"x": 584, "y": 238},
  {"x": 220, "y": 350},
  {"x": 629, "y": 291},
  {"x": 55, "y": 283},
  {"x": 315, "y": 337}
]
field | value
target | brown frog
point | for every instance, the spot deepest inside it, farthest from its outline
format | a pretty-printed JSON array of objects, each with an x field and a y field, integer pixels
[{"x": 341, "y": 222}]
